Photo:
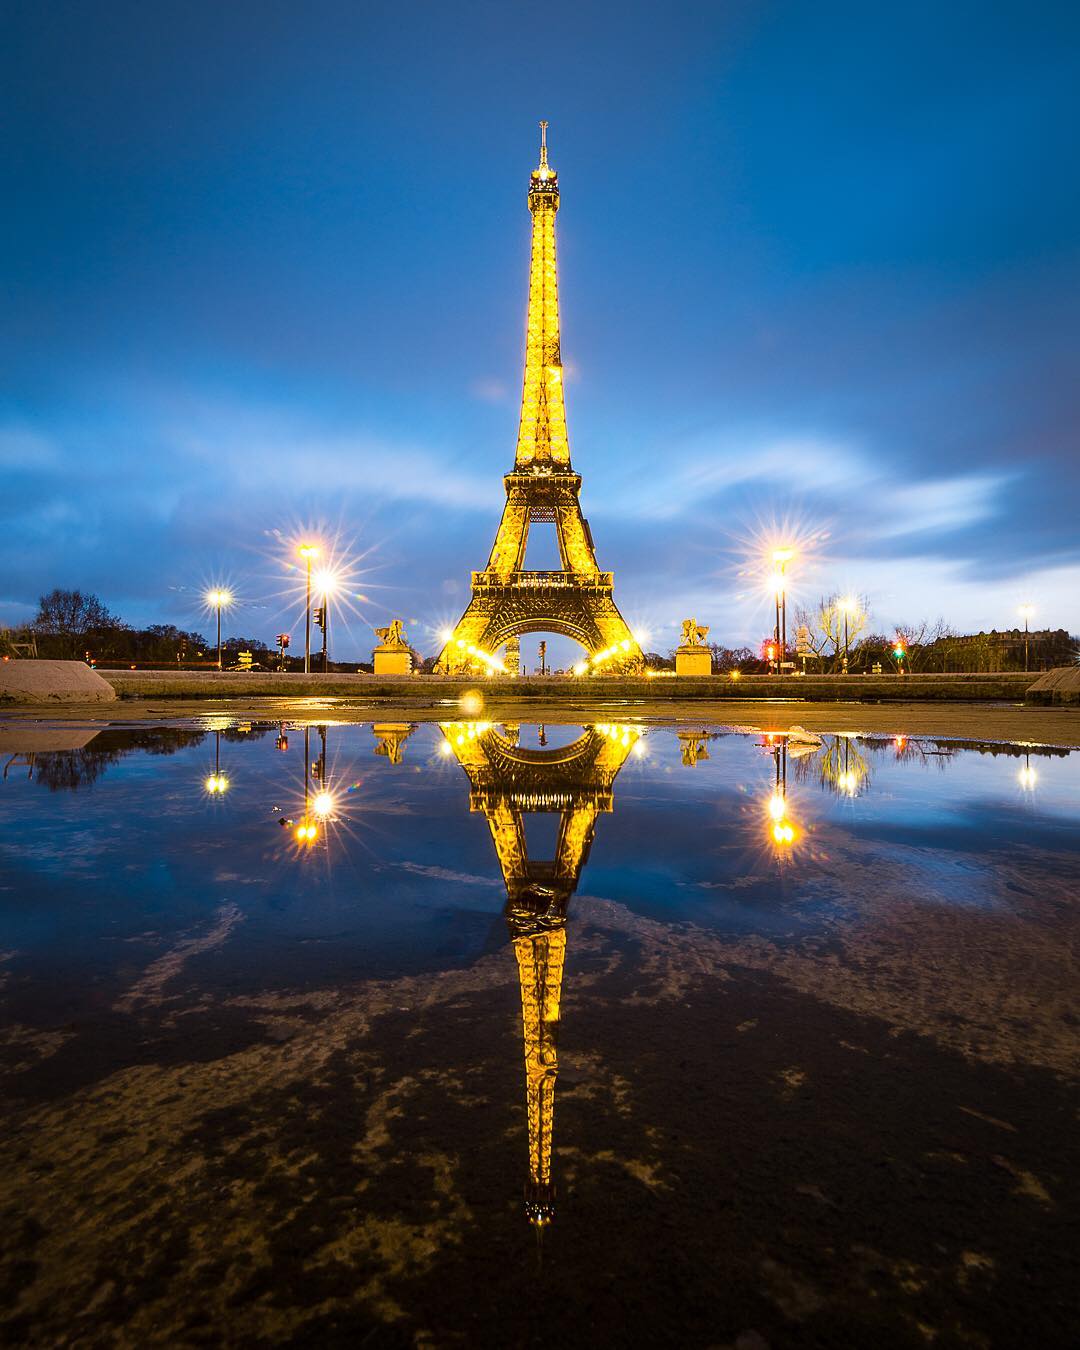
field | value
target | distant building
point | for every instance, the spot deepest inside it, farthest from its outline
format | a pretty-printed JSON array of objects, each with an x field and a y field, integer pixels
[{"x": 995, "y": 651}]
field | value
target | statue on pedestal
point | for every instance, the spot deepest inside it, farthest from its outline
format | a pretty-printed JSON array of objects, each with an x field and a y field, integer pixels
[
  {"x": 693, "y": 657},
  {"x": 393, "y": 656}
]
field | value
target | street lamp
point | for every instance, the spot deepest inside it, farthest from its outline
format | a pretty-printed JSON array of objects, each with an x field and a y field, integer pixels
[
  {"x": 1026, "y": 612},
  {"x": 325, "y": 582},
  {"x": 781, "y": 557},
  {"x": 219, "y": 600},
  {"x": 848, "y": 607},
  {"x": 307, "y": 552}
]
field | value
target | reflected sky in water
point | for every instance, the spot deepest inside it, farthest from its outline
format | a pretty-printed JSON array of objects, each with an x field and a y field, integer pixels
[
  {"x": 402, "y": 992},
  {"x": 129, "y": 833}
]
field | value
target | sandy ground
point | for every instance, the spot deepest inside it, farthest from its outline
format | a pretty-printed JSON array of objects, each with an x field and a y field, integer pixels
[{"x": 1013, "y": 722}]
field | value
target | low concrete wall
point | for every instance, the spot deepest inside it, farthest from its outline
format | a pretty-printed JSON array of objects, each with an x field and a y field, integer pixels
[
  {"x": 52, "y": 682},
  {"x": 1060, "y": 685},
  {"x": 432, "y": 689}
]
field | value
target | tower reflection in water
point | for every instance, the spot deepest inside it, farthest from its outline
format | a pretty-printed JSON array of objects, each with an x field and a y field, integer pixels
[{"x": 507, "y": 783}]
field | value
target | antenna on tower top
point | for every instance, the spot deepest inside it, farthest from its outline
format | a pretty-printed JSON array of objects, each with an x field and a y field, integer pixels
[{"x": 543, "y": 145}]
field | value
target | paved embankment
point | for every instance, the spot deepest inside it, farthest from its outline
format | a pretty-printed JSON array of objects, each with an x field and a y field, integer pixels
[{"x": 430, "y": 691}]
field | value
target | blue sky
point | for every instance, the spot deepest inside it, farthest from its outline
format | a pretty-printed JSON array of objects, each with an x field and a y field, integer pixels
[{"x": 266, "y": 272}]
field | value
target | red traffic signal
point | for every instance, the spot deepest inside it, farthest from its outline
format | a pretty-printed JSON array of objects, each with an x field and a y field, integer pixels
[{"x": 283, "y": 640}]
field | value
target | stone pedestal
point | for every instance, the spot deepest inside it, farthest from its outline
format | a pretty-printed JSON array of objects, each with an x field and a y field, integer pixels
[
  {"x": 693, "y": 661},
  {"x": 392, "y": 660}
]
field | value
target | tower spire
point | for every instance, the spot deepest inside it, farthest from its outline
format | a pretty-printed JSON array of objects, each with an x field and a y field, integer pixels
[{"x": 542, "y": 438}]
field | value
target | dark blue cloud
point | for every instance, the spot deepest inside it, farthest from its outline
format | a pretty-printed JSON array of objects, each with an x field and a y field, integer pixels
[{"x": 267, "y": 265}]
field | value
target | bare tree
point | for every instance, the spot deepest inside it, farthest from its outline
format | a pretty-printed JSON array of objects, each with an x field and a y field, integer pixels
[
  {"x": 919, "y": 639},
  {"x": 71, "y": 616},
  {"x": 826, "y": 634}
]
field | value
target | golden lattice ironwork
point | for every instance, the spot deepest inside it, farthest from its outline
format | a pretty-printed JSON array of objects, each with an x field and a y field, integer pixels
[
  {"x": 508, "y": 600},
  {"x": 507, "y": 782}
]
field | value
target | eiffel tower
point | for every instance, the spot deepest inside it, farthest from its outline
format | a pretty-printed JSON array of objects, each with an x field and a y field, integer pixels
[
  {"x": 506, "y": 599},
  {"x": 508, "y": 782}
]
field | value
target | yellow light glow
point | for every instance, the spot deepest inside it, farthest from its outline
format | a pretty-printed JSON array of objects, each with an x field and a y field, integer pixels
[
  {"x": 735, "y": 674},
  {"x": 308, "y": 550},
  {"x": 446, "y": 748},
  {"x": 307, "y": 832},
  {"x": 1026, "y": 611},
  {"x": 471, "y": 702},
  {"x": 777, "y": 582},
  {"x": 217, "y": 783},
  {"x": 325, "y": 582},
  {"x": 783, "y": 555},
  {"x": 581, "y": 668},
  {"x": 323, "y": 805},
  {"x": 848, "y": 605},
  {"x": 219, "y": 599},
  {"x": 777, "y": 806},
  {"x": 641, "y": 636},
  {"x": 783, "y": 832},
  {"x": 1028, "y": 777},
  {"x": 446, "y": 634}
]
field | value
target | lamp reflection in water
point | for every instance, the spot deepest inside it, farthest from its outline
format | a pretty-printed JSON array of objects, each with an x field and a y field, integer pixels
[
  {"x": 781, "y": 830},
  {"x": 844, "y": 766},
  {"x": 1027, "y": 776},
  {"x": 508, "y": 782},
  {"x": 320, "y": 805},
  {"x": 216, "y": 783}
]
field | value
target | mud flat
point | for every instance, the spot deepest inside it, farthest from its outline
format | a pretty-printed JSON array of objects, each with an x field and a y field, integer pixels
[{"x": 1012, "y": 722}]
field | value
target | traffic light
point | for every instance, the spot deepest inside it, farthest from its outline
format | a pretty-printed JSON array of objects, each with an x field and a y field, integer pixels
[
  {"x": 320, "y": 617},
  {"x": 898, "y": 650},
  {"x": 283, "y": 640}
]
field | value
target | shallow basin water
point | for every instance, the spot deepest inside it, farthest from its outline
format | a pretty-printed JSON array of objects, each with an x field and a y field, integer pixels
[{"x": 459, "y": 1033}]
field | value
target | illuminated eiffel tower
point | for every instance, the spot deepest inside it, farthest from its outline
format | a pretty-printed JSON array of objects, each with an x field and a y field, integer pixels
[
  {"x": 506, "y": 599},
  {"x": 507, "y": 783}
]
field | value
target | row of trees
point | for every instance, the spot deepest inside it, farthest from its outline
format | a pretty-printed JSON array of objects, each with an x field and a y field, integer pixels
[
  {"x": 69, "y": 624},
  {"x": 837, "y": 628}
]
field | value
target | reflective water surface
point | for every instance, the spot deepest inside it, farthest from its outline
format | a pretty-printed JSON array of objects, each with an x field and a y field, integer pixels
[{"x": 460, "y": 1033}]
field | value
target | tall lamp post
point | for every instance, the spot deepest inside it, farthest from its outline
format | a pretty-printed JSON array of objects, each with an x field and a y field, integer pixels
[
  {"x": 847, "y": 606},
  {"x": 1026, "y": 612},
  {"x": 307, "y": 552},
  {"x": 218, "y": 600},
  {"x": 781, "y": 557},
  {"x": 326, "y": 582}
]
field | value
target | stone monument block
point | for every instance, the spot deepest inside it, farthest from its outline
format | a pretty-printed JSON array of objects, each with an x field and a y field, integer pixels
[
  {"x": 392, "y": 661},
  {"x": 693, "y": 661}
]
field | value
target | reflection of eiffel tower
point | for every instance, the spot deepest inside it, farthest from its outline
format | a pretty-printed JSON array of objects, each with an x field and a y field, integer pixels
[
  {"x": 509, "y": 782},
  {"x": 507, "y": 600}
]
